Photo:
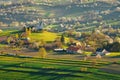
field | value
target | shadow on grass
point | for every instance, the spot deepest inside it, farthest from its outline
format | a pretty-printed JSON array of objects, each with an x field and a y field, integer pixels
[
  {"x": 115, "y": 57},
  {"x": 15, "y": 56},
  {"x": 43, "y": 73}
]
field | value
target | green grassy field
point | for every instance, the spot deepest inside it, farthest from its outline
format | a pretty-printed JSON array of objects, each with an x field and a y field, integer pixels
[
  {"x": 114, "y": 54},
  {"x": 20, "y": 68},
  {"x": 6, "y": 33},
  {"x": 46, "y": 36}
]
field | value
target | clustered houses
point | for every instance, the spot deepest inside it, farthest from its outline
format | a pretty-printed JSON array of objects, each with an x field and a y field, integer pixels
[
  {"x": 74, "y": 48},
  {"x": 18, "y": 40}
]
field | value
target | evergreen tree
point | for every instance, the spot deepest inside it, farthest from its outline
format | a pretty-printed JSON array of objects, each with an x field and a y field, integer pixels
[
  {"x": 62, "y": 39},
  {"x": 114, "y": 47},
  {"x": 29, "y": 31},
  {"x": 8, "y": 40},
  {"x": 16, "y": 36}
]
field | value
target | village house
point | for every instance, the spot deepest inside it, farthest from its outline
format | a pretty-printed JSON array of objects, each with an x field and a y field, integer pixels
[
  {"x": 74, "y": 49},
  {"x": 102, "y": 51},
  {"x": 89, "y": 48},
  {"x": 59, "y": 50}
]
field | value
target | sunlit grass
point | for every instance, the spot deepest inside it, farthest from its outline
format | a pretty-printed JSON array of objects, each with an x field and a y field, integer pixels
[
  {"x": 87, "y": 53},
  {"x": 2, "y": 45},
  {"x": 46, "y": 36},
  {"x": 7, "y": 32},
  {"x": 14, "y": 68},
  {"x": 113, "y": 54}
]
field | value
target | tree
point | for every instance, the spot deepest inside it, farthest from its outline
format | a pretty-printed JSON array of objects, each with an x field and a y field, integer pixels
[
  {"x": 42, "y": 42},
  {"x": 114, "y": 47},
  {"x": 58, "y": 44},
  {"x": 42, "y": 53},
  {"x": 62, "y": 39},
  {"x": 28, "y": 31},
  {"x": 20, "y": 43},
  {"x": 117, "y": 39},
  {"x": 16, "y": 36},
  {"x": 71, "y": 40},
  {"x": 57, "y": 39},
  {"x": 8, "y": 40}
]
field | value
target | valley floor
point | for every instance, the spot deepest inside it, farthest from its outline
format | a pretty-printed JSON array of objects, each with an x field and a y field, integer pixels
[{"x": 52, "y": 55}]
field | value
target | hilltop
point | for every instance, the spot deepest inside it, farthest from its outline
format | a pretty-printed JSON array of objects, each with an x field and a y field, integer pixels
[{"x": 19, "y": 13}]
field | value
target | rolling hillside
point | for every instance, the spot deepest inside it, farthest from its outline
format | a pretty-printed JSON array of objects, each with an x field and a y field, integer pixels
[
  {"x": 12, "y": 68},
  {"x": 17, "y": 13}
]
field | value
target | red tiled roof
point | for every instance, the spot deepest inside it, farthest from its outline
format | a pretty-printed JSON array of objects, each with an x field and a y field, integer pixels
[
  {"x": 73, "y": 48},
  {"x": 3, "y": 38}
]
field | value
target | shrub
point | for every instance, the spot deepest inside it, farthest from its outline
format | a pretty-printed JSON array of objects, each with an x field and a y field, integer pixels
[{"x": 84, "y": 69}]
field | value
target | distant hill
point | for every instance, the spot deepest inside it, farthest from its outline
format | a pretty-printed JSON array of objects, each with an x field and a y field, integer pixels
[{"x": 19, "y": 12}]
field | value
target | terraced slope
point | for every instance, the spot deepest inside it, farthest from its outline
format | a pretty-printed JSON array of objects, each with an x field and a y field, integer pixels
[{"x": 20, "y": 68}]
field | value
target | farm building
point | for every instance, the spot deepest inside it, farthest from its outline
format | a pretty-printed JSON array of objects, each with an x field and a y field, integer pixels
[
  {"x": 73, "y": 49},
  {"x": 59, "y": 50},
  {"x": 102, "y": 51}
]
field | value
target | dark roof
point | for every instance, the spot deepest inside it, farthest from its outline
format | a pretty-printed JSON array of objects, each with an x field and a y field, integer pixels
[{"x": 99, "y": 49}]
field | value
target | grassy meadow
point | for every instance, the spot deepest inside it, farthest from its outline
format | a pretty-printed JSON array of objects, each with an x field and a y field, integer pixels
[
  {"x": 46, "y": 36},
  {"x": 114, "y": 54},
  {"x": 21, "y": 68}
]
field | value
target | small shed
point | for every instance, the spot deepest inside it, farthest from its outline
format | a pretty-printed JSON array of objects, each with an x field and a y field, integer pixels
[{"x": 59, "y": 50}]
